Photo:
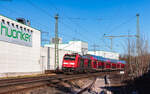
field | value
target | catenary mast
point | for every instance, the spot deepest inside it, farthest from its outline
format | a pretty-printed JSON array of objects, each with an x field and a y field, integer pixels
[{"x": 56, "y": 44}]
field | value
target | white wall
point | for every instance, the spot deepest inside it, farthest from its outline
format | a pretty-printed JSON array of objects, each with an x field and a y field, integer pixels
[
  {"x": 19, "y": 58},
  {"x": 76, "y": 46},
  {"x": 44, "y": 53}
]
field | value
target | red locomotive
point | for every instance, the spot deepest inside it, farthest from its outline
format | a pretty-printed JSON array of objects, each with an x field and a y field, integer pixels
[{"x": 89, "y": 63}]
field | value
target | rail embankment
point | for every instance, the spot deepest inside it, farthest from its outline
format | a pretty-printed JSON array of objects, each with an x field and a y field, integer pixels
[{"x": 63, "y": 84}]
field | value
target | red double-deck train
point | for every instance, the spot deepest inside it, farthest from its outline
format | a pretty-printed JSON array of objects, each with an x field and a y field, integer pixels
[{"x": 77, "y": 63}]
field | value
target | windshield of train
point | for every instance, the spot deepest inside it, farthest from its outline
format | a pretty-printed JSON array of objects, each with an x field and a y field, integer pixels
[{"x": 69, "y": 57}]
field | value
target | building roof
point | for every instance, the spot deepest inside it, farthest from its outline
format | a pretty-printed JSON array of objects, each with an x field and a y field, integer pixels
[{"x": 18, "y": 22}]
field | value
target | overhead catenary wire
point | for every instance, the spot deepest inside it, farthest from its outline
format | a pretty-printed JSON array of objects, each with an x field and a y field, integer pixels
[
  {"x": 48, "y": 14},
  {"x": 119, "y": 26},
  {"x": 15, "y": 12},
  {"x": 77, "y": 25},
  {"x": 54, "y": 6},
  {"x": 123, "y": 23},
  {"x": 68, "y": 27}
]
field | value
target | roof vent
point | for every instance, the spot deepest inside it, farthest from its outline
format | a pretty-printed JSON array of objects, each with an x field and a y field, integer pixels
[
  {"x": 21, "y": 20},
  {"x": 28, "y": 23}
]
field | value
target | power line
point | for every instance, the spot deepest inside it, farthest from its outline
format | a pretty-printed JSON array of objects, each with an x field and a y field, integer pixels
[
  {"x": 54, "y": 6},
  {"x": 13, "y": 11},
  {"x": 45, "y": 12},
  {"x": 37, "y": 7},
  {"x": 48, "y": 14},
  {"x": 42, "y": 32},
  {"x": 111, "y": 38},
  {"x": 123, "y": 23},
  {"x": 94, "y": 48},
  {"x": 72, "y": 22},
  {"x": 79, "y": 27}
]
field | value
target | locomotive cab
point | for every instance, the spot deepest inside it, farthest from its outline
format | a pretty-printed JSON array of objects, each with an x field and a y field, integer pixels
[{"x": 69, "y": 62}]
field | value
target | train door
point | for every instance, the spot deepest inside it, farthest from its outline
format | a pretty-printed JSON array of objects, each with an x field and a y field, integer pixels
[
  {"x": 81, "y": 65},
  {"x": 100, "y": 64},
  {"x": 95, "y": 64},
  {"x": 114, "y": 65},
  {"x": 78, "y": 64},
  {"x": 108, "y": 65},
  {"x": 103, "y": 65},
  {"x": 86, "y": 64},
  {"x": 89, "y": 65}
]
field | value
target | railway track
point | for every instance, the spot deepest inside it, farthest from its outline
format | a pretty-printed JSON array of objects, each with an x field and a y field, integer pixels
[
  {"x": 15, "y": 81},
  {"x": 42, "y": 80}
]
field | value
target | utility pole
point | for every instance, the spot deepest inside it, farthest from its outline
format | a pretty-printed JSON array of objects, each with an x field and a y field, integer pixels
[
  {"x": 111, "y": 38},
  {"x": 56, "y": 44},
  {"x": 137, "y": 44},
  {"x": 138, "y": 35}
]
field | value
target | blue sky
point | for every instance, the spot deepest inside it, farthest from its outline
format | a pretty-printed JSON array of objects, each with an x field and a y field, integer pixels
[{"x": 86, "y": 20}]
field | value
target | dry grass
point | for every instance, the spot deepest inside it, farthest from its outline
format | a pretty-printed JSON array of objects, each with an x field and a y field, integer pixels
[{"x": 26, "y": 76}]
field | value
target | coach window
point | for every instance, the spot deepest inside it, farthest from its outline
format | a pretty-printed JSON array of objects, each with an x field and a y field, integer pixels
[{"x": 3, "y": 21}]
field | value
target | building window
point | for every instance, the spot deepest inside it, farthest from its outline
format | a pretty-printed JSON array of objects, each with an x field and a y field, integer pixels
[
  {"x": 24, "y": 29},
  {"x": 21, "y": 27},
  {"x": 16, "y": 26},
  {"x": 28, "y": 30},
  {"x": 3, "y": 21},
  {"x": 8, "y": 23},
  {"x": 12, "y": 24}
]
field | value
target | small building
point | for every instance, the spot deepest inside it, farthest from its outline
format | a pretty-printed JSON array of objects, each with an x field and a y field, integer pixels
[
  {"x": 20, "y": 48},
  {"x": 48, "y": 57},
  {"x": 75, "y": 46},
  {"x": 48, "y": 52}
]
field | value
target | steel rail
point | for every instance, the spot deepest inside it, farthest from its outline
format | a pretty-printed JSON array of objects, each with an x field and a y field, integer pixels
[{"x": 48, "y": 79}]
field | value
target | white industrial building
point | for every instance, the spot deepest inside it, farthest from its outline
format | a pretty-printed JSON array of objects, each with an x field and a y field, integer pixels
[
  {"x": 48, "y": 52},
  {"x": 48, "y": 57},
  {"x": 20, "y": 48},
  {"x": 82, "y": 48}
]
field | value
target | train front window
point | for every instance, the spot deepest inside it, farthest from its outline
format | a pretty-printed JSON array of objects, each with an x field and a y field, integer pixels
[{"x": 69, "y": 57}]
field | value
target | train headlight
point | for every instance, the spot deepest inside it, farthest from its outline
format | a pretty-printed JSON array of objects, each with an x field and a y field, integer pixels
[
  {"x": 65, "y": 63},
  {"x": 72, "y": 63}
]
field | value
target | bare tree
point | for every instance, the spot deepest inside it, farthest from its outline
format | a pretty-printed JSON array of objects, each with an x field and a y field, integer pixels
[{"x": 137, "y": 63}]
